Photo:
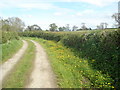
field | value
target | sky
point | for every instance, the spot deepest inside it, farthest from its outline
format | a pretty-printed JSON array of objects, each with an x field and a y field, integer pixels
[{"x": 61, "y": 12}]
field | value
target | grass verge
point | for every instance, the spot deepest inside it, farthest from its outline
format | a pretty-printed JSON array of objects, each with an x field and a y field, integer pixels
[
  {"x": 71, "y": 70},
  {"x": 19, "y": 76},
  {"x": 10, "y": 48}
]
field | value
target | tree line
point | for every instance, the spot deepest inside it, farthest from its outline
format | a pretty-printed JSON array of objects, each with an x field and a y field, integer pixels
[
  {"x": 12, "y": 24},
  {"x": 16, "y": 24}
]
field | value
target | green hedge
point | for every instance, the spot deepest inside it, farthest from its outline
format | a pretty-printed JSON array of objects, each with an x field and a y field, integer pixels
[
  {"x": 0, "y": 36},
  {"x": 44, "y": 35},
  {"x": 103, "y": 46},
  {"x": 9, "y": 35}
]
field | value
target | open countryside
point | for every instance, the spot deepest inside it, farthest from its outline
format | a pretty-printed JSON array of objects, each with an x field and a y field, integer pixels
[{"x": 61, "y": 54}]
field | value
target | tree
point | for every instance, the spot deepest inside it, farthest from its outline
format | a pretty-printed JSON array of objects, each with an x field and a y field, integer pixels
[
  {"x": 74, "y": 28},
  {"x": 102, "y": 26},
  {"x": 33, "y": 27},
  {"x": 36, "y": 27},
  {"x": 53, "y": 27},
  {"x": 83, "y": 27},
  {"x": 98, "y": 27},
  {"x": 29, "y": 28},
  {"x": 105, "y": 25},
  {"x": 61, "y": 28},
  {"x": 116, "y": 16},
  {"x": 0, "y": 23},
  {"x": 5, "y": 25},
  {"x": 67, "y": 28},
  {"x": 12, "y": 24},
  {"x": 16, "y": 23}
]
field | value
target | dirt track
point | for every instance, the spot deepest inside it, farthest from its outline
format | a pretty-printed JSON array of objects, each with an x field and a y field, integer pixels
[
  {"x": 6, "y": 67},
  {"x": 42, "y": 75}
]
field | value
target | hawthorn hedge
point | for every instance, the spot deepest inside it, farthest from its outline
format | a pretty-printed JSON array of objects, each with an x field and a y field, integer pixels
[{"x": 8, "y": 35}]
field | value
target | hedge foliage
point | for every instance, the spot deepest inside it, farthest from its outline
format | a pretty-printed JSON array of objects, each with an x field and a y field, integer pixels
[
  {"x": 42, "y": 34},
  {"x": 9, "y": 35},
  {"x": 101, "y": 46}
]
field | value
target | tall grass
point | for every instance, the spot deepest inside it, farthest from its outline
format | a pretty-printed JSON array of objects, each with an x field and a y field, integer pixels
[
  {"x": 10, "y": 48},
  {"x": 9, "y": 44},
  {"x": 0, "y": 53}
]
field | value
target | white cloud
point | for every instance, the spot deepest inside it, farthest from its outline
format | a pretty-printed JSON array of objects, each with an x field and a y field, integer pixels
[
  {"x": 78, "y": 14},
  {"x": 36, "y": 5},
  {"x": 58, "y": 13},
  {"x": 88, "y": 11},
  {"x": 62, "y": 11},
  {"x": 94, "y": 2},
  {"x": 31, "y": 4},
  {"x": 85, "y": 12},
  {"x": 45, "y": 4}
]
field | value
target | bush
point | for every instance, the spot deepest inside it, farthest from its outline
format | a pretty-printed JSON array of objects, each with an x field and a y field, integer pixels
[
  {"x": 41, "y": 34},
  {"x": 9, "y": 35}
]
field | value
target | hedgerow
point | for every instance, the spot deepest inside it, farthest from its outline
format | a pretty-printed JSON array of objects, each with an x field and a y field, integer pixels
[
  {"x": 41, "y": 34},
  {"x": 102, "y": 47},
  {"x": 9, "y": 35}
]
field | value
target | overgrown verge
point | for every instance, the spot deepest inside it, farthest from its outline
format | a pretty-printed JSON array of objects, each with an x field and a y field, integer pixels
[
  {"x": 101, "y": 49},
  {"x": 9, "y": 35},
  {"x": 73, "y": 71},
  {"x": 10, "y": 43},
  {"x": 20, "y": 74},
  {"x": 9, "y": 49}
]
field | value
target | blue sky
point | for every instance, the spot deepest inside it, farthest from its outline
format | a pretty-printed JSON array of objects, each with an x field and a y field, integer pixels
[{"x": 61, "y": 12}]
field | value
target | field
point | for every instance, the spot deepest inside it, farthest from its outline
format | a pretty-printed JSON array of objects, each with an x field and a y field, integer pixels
[{"x": 81, "y": 59}]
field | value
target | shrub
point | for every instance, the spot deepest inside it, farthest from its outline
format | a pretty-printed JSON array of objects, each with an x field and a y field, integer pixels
[{"x": 9, "y": 35}]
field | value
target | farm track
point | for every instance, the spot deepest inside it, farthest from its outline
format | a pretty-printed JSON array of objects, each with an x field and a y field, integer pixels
[
  {"x": 42, "y": 75},
  {"x": 6, "y": 67}
]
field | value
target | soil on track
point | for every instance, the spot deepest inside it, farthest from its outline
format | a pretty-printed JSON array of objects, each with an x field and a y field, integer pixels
[{"x": 42, "y": 75}]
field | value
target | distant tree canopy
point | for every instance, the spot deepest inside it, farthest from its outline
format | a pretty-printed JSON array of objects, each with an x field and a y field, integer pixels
[
  {"x": 12, "y": 24},
  {"x": 74, "y": 28},
  {"x": 83, "y": 27},
  {"x": 53, "y": 27},
  {"x": 34, "y": 27},
  {"x": 67, "y": 28},
  {"x": 61, "y": 28},
  {"x": 102, "y": 25}
]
